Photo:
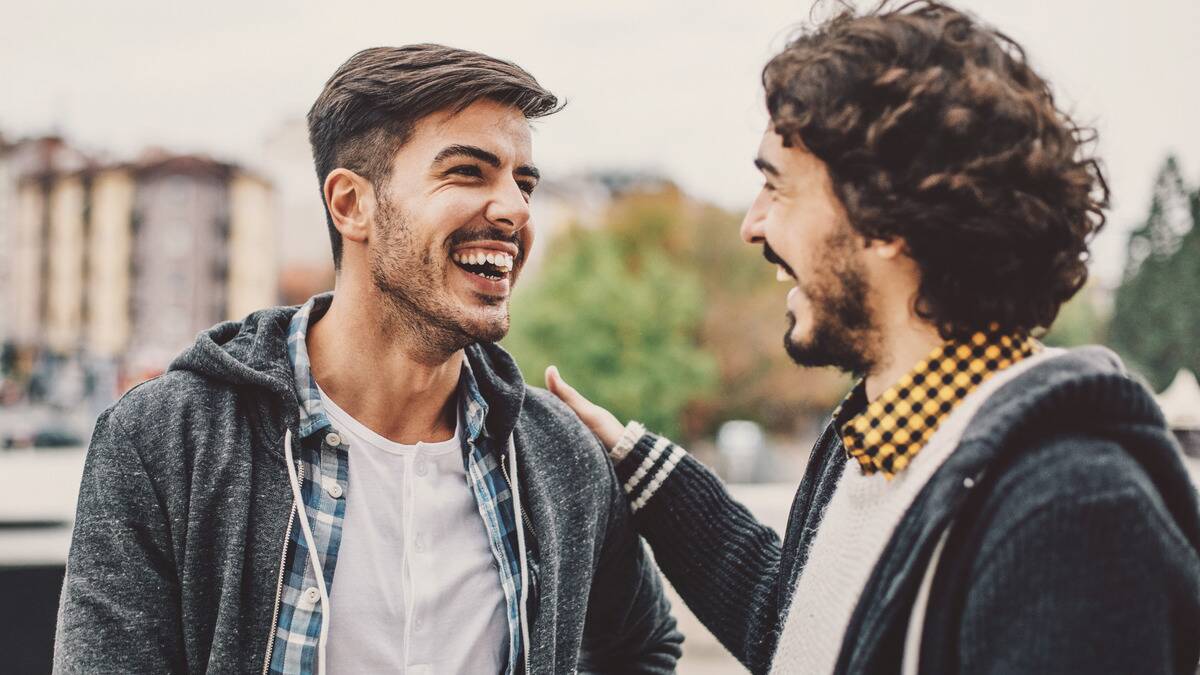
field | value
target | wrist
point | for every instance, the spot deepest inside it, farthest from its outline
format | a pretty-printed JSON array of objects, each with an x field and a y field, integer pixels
[{"x": 629, "y": 437}]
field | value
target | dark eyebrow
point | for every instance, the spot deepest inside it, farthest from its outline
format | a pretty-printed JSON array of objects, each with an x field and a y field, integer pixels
[
  {"x": 467, "y": 151},
  {"x": 482, "y": 155},
  {"x": 765, "y": 166}
]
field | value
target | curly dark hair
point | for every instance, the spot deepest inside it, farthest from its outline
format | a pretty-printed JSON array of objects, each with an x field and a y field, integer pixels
[{"x": 936, "y": 131}]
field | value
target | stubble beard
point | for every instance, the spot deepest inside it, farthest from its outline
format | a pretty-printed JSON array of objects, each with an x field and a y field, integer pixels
[{"x": 418, "y": 302}]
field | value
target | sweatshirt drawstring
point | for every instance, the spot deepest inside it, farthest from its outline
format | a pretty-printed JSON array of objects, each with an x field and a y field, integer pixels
[{"x": 294, "y": 479}]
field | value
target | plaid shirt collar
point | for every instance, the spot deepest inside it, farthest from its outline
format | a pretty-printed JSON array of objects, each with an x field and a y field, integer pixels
[
  {"x": 325, "y": 464},
  {"x": 885, "y": 434},
  {"x": 474, "y": 407}
]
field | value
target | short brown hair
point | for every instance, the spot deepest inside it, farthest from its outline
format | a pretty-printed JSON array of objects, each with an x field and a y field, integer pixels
[
  {"x": 936, "y": 131},
  {"x": 371, "y": 103}
]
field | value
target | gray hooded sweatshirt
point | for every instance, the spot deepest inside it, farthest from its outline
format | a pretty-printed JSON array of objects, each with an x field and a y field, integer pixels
[{"x": 185, "y": 501}]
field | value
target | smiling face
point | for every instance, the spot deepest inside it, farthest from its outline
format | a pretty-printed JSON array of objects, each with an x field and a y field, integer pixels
[
  {"x": 803, "y": 229},
  {"x": 451, "y": 229}
]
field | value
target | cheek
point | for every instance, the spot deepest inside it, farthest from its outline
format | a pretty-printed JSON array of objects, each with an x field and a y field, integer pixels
[
  {"x": 787, "y": 236},
  {"x": 438, "y": 219},
  {"x": 528, "y": 235}
]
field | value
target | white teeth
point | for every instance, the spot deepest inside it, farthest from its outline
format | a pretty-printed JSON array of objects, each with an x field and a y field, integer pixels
[
  {"x": 503, "y": 261},
  {"x": 781, "y": 275}
]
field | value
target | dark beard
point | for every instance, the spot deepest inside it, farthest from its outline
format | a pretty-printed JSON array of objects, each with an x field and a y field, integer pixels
[{"x": 843, "y": 333}]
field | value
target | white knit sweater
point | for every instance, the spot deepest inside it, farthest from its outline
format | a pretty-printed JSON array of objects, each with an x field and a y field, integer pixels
[{"x": 857, "y": 524}]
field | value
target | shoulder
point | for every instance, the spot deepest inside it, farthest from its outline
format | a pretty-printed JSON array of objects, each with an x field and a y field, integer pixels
[
  {"x": 177, "y": 418},
  {"x": 550, "y": 430},
  {"x": 544, "y": 413},
  {"x": 170, "y": 396},
  {"x": 1077, "y": 489}
]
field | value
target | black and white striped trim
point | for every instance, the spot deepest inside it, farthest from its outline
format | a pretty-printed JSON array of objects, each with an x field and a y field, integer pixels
[
  {"x": 632, "y": 434},
  {"x": 656, "y": 458}
]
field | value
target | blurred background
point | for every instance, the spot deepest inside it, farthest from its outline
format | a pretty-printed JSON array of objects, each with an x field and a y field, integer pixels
[{"x": 155, "y": 178}]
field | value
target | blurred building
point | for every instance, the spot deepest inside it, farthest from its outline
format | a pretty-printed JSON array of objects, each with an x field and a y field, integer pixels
[
  {"x": 123, "y": 263},
  {"x": 28, "y": 170}
]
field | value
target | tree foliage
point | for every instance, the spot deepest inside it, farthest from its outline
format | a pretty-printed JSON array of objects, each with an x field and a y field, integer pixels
[{"x": 1156, "y": 313}]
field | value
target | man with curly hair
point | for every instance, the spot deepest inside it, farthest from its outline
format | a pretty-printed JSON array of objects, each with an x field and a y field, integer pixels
[{"x": 979, "y": 503}]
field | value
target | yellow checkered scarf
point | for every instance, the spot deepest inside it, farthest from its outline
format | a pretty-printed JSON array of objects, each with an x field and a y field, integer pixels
[{"x": 892, "y": 430}]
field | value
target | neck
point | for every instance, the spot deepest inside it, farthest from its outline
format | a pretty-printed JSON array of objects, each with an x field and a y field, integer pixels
[
  {"x": 905, "y": 340},
  {"x": 373, "y": 367}
]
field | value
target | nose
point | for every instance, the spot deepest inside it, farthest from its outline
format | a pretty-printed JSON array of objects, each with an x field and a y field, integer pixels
[
  {"x": 752, "y": 229},
  {"x": 508, "y": 207}
]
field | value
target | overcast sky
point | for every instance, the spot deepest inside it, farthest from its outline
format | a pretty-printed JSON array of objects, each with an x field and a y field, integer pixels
[{"x": 671, "y": 86}]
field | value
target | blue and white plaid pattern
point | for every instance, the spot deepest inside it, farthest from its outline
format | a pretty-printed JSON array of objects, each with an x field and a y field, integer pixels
[
  {"x": 299, "y": 625},
  {"x": 495, "y": 505}
]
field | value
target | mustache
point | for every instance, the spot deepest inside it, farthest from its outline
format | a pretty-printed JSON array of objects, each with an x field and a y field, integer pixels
[
  {"x": 773, "y": 258},
  {"x": 487, "y": 234}
]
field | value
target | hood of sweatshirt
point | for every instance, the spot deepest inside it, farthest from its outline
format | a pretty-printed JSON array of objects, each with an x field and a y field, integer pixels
[
  {"x": 1087, "y": 391},
  {"x": 1084, "y": 391}
]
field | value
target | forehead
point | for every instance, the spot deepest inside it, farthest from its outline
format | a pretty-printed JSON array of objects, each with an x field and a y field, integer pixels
[
  {"x": 771, "y": 145},
  {"x": 498, "y": 128},
  {"x": 791, "y": 161}
]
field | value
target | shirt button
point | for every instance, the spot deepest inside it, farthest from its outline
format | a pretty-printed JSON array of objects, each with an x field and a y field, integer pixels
[
  {"x": 312, "y": 595},
  {"x": 422, "y": 467},
  {"x": 334, "y": 489},
  {"x": 419, "y": 625},
  {"x": 333, "y": 439},
  {"x": 420, "y": 543}
]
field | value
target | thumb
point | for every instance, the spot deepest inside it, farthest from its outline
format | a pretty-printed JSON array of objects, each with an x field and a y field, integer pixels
[
  {"x": 602, "y": 423},
  {"x": 565, "y": 392}
]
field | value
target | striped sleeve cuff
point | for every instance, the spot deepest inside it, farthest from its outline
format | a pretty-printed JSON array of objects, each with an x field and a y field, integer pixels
[{"x": 645, "y": 465}]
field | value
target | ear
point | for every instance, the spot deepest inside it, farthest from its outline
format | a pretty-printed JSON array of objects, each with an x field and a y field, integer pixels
[
  {"x": 351, "y": 202},
  {"x": 886, "y": 249}
]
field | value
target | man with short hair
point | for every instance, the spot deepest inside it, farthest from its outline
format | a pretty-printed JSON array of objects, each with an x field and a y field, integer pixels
[
  {"x": 979, "y": 503},
  {"x": 365, "y": 483}
]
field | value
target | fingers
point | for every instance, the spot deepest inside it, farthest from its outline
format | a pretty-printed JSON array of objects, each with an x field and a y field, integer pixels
[
  {"x": 602, "y": 423},
  {"x": 565, "y": 392}
]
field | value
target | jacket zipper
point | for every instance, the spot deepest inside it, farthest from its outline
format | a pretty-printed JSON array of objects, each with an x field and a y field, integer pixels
[
  {"x": 524, "y": 563},
  {"x": 287, "y": 537},
  {"x": 504, "y": 472}
]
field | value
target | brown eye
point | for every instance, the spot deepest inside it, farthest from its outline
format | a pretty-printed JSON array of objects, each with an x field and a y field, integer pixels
[{"x": 467, "y": 170}]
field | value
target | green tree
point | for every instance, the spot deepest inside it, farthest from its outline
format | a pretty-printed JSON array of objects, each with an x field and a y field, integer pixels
[
  {"x": 623, "y": 328},
  {"x": 1156, "y": 315}
]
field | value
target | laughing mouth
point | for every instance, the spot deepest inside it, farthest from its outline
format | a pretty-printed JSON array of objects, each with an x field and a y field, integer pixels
[{"x": 487, "y": 263}]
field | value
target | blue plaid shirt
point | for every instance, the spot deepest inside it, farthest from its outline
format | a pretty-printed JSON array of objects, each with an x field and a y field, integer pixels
[{"x": 324, "y": 460}]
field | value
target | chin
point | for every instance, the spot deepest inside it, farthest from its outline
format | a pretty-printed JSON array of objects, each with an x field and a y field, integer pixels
[{"x": 487, "y": 326}]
